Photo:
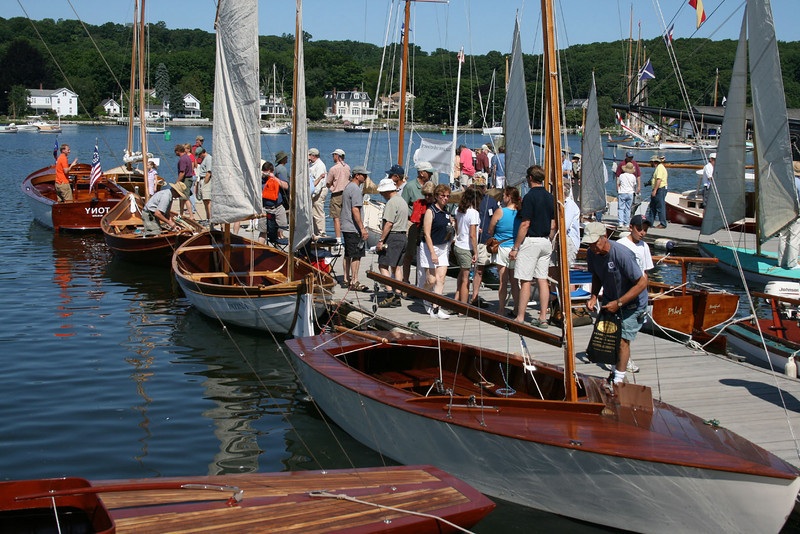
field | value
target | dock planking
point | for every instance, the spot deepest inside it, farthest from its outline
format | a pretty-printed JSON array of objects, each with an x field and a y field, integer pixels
[{"x": 740, "y": 396}]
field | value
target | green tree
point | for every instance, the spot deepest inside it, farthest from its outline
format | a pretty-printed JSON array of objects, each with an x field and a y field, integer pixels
[
  {"x": 18, "y": 101},
  {"x": 162, "y": 84},
  {"x": 315, "y": 108}
]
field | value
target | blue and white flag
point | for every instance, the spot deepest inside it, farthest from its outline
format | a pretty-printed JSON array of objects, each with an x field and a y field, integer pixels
[
  {"x": 647, "y": 72},
  {"x": 55, "y": 148},
  {"x": 97, "y": 173}
]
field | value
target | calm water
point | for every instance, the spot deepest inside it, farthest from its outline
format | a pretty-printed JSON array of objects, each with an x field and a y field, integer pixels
[{"x": 109, "y": 373}]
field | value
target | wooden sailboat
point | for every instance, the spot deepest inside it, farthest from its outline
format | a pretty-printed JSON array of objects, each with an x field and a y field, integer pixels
[
  {"x": 540, "y": 435},
  {"x": 777, "y": 201},
  {"x": 226, "y": 276},
  {"x": 408, "y": 500},
  {"x": 122, "y": 226},
  {"x": 272, "y": 126}
]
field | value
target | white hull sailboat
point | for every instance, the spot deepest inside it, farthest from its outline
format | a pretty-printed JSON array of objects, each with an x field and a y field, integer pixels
[
  {"x": 540, "y": 435},
  {"x": 228, "y": 277}
]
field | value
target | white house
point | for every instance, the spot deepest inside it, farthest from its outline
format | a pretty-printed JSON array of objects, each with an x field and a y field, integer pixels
[
  {"x": 353, "y": 106},
  {"x": 61, "y": 101},
  {"x": 390, "y": 105},
  {"x": 192, "y": 106},
  {"x": 112, "y": 108},
  {"x": 272, "y": 107}
]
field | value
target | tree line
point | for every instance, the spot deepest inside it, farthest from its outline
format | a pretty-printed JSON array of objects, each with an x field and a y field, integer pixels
[{"x": 94, "y": 61}]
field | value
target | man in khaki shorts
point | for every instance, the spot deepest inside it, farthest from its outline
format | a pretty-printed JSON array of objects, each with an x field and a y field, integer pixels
[{"x": 337, "y": 180}]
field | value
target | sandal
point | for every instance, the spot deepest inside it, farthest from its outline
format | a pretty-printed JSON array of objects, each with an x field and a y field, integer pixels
[
  {"x": 539, "y": 324},
  {"x": 358, "y": 286}
]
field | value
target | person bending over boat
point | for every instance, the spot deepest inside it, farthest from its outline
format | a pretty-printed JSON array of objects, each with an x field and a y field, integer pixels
[
  {"x": 615, "y": 271},
  {"x": 63, "y": 168},
  {"x": 157, "y": 209}
]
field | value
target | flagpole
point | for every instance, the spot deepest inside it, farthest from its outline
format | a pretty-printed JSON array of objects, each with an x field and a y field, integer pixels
[{"x": 455, "y": 117}]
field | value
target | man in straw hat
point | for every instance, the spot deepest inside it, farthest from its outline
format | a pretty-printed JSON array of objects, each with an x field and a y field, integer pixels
[
  {"x": 157, "y": 210},
  {"x": 658, "y": 195},
  {"x": 392, "y": 245},
  {"x": 615, "y": 270}
]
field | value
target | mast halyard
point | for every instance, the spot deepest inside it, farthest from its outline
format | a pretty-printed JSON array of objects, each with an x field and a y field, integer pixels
[
  {"x": 142, "y": 106},
  {"x": 552, "y": 158}
]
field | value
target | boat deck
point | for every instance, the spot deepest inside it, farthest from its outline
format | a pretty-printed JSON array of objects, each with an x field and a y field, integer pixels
[{"x": 741, "y": 396}]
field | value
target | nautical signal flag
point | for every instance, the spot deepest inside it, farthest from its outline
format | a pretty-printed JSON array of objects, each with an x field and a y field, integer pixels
[
  {"x": 668, "y": 36},
  {"x": 97, "y": 172},
  {"x": 701, "y": 13},
  {"x": 647, "y": 72},
  {"x": 461, "y": 56}
]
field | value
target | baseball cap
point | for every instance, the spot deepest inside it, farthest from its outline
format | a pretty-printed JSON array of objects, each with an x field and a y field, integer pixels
[
  {"x": 361, "y": 170},
  {"x": 713, "y": 155},
  {"x": 425, "y": 166},
  {"x": 592, "y": 232},
  {"x": 338, "y": 152},
  {"x": 396, "y": 169},
  {"x": 628, "y": 154},
  {"x": 313, "y": 152}
]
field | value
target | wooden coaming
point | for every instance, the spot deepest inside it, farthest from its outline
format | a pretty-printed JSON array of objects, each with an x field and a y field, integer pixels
[{"x": 623, "y": 427}]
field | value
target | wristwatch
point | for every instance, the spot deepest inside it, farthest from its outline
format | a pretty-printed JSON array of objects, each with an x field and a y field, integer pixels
[{"x": 619, "y": 304}]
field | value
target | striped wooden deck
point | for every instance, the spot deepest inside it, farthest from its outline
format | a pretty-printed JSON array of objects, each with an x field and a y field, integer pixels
[{"x": 742, "y": 397}]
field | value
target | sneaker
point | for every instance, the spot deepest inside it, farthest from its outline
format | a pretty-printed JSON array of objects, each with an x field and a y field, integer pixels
[
  {"x": 441, "y": 314},
  {"x": 632, "y": 367}
]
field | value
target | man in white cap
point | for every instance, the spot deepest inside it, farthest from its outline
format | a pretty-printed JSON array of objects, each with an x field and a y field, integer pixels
[
  {"x": 615, "y": 270},
  {"x": 319, "y": 190},
  {"x": 158, "y": 209},
  {"x": 708, "y": 176},
  {"x": 337, "y": 179},
  {"x": 392, "y": 245},
  {"x": 411, "y": 193}
]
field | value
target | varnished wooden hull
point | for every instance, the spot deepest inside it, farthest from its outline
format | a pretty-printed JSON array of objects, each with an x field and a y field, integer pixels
[
  {"x": 684, "y": 208},
  {"x": 270, "y": 502},
  {"x": 697, "y": 310},
  {"x": 86, "y": 209},
  {"x": 123, "y": 231},
  {"x": 253, "y": 291},
  {"x": 673, "y": 472}
]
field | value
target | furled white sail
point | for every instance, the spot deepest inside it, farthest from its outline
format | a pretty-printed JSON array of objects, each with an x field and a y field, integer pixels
[
  {"x": 301, "y": 230},
  {"x": 517, "y": 127},
  {"x": 777, "y": 195},
  {"x": 729, "y": 166},
  {"x": 237, "y": 142},
  {"x": 593, "y": 171}
]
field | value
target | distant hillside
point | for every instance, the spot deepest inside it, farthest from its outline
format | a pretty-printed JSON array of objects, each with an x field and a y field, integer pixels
[{"x": 189, "y": 57}]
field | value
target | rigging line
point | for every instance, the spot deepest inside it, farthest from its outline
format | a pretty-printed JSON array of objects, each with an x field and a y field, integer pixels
[{"x": 94, "y": 43}]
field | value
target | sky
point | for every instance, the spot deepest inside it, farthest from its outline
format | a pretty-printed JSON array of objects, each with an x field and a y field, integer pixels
[{"x": 479, "y": 26}]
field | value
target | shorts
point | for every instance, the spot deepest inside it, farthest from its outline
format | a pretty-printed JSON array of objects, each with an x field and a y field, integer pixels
[
  {"x": 533, "y": 259},
  {"x": 336, "y": 205},
  {"x": 501, "y": 258},
  {"x": 463, "y": 257},
  {"x": 572, "y": 252},
  {"x": 632, "y": 321},
  {"x": 204, "y": 190},
  {"x": 484, "y": 258},
  {"x": 442, "y": 251},
  {"x": 394, "y": 251},
  {"x": 189, "y": 181},
  {"x": 354, "y": 245},
  {"x": 280, "y": 219}
]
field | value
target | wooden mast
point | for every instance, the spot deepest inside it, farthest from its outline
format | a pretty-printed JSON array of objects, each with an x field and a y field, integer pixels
[
  {"x": 142, "y": 105},
  {"x": 552, "y": 159},
  {"x": 132, "y": 87},
  {"x": 403, "y": 86},
  {"x": 298, "y": 36}
]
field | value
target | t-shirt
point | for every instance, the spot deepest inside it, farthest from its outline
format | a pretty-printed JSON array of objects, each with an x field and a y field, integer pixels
[
  {"x": 660, "y": 172},
  {"x": 538, "y": 207},
  {"x": 411, "y": 192},
  {"x": 396, "y": 212},
  {"x": 467, "y": 167},
  {"x": 626, "y": 183},
  {"x": 708, "y": 174},
  {"x": 185, "y": 165},
  {"x": 351, "y": 198},
  {"x": 572, "y": 218},
  {"x": 636, "y": 172},
  {"x": 464, "y": 221},
  {"x": 641, "y": 250},
  {"x": 499, "y": 164},
  {"x": 618, "y": 272},
  {"x": 61, "y": 169},
  {"x": 161, "y": 201},
  {"x": 486, "y": 209},
  {"x": 338, "y": 177},
  {"x": 204, "y": 166}
]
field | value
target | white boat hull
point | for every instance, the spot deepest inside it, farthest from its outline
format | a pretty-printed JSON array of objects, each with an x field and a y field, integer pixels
[
  {"x": 746, "y": 343},
  {"x": 272, "y": 314},
  {"x": 656, "y": 497}
]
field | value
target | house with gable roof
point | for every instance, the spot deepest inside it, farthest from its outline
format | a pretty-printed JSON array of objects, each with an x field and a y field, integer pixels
[
  {"x": 353, "y": 106},
  {"x": 62, "y": 102}
]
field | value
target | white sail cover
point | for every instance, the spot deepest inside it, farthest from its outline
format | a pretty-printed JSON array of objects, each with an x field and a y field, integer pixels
[
  {"x": 593, "y": 172},
  {"x": 518, "y": 140},
  {"x": 237, "y": 137},
  {"x": 729, "y": 166},
  {"x": 777, "y": 195},
  {"x": 300, "y": 188},
  {"x": 437, "y": 152}
]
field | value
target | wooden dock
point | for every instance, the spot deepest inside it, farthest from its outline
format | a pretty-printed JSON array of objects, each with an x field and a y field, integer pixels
[{"x": 753, "y": 402}]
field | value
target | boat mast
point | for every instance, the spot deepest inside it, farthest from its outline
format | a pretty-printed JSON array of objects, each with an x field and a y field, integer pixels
[
  {"x": 455, "y": 114},
  {"x": 552, "y": 160},
  {"x": 142, "y": 106},
  {"x": 403, "y": 85},
  {"x": 132, "y": 89},
  {"x": 298, "y": 36}
]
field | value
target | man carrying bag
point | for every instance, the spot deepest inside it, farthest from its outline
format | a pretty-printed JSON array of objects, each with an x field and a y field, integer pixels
[{"x": 615, "y": 271}]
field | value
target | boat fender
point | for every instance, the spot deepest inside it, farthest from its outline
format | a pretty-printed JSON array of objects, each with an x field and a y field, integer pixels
[
  {"x": 791, "y": 368},
  {"x": 355, "y": 318},
  {"x": 664, "y": 244}
]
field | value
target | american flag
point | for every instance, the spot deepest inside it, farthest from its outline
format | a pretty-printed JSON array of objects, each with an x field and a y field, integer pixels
[
  {"x": 97, "y": 172},
  {"x": 460, "y": 56}
]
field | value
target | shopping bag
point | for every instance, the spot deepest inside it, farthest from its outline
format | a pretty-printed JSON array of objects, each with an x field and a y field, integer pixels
[{"x": 604, "y": 343}]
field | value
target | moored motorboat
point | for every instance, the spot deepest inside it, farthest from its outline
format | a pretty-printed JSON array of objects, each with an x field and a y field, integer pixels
[
  {"x": 687, "y": 208},
  {"x": 418, "y": 499},
  {"x": 87, "y": 208}
]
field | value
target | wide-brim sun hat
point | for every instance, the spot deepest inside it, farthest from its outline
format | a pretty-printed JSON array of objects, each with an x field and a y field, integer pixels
[
  {"x": 180, "y": 187},
  {"x": 387, "y": 185}
]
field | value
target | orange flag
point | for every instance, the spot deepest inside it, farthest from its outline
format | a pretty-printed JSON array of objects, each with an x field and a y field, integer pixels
[{"x": 701, "y": 13}]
